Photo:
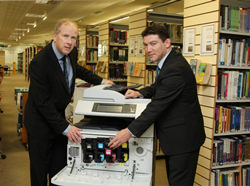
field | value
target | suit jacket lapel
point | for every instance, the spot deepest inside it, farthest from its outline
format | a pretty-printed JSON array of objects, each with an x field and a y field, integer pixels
[{"x": 74, "y": 73}]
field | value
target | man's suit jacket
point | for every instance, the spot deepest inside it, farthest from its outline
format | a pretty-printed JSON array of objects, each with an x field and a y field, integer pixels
[
  {"x": 48, "y": 92},
  {"x": 174, "y": 108}
]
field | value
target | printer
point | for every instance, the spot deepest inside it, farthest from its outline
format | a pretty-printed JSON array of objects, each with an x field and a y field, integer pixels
[{"x": 92, "y": 162}]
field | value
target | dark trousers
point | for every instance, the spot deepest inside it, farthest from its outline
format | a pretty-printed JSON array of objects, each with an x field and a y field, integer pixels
[
  {"x": 47, "y": 158},
  {"x": 181, "y": 168}
]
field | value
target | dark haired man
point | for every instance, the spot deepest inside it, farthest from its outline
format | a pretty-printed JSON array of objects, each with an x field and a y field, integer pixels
[{"x": 174, "y": 109}]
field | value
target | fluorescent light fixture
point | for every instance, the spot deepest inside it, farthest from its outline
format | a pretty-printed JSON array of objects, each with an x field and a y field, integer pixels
[
  {"x": 23, "y": 34},
  {"x": 32, "y": 24},
  {"x": 35, "y": 15},
  {"x": 21, "y": 29},
  {"x": 42, "y": 1},
  {"x": 44, "y": 18},
  {"x": 19, "y": 37},
  {"x": 119, "y": 19},
  {"x": 150, "y": 10},
  {"x": 28, "y": 30}
]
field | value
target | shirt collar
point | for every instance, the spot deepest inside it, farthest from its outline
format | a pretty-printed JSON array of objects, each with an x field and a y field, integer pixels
[
  {"x": 160, "y": 64},
  {"x": 58, "y": 54}
]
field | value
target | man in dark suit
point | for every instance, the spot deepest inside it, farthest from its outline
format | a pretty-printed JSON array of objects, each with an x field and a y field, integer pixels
[
  {"x": 174, "y": 109},
  {"x": 52, "y": 80}
]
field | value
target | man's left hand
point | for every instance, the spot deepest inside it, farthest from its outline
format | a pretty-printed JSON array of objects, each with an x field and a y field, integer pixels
[{"x": 121, "y": 137}]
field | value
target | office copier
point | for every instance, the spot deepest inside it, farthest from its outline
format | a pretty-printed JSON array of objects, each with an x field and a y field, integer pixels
[{"x": 92, "y": 162}]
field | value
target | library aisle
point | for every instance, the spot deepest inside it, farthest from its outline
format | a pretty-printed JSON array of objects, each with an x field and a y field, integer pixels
[{"x": 14, "y": 170}]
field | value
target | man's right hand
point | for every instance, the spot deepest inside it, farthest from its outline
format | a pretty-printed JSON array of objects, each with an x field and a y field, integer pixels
[
  {"x": 132, "y": 94},
  {"x": 74, "y": 134}
]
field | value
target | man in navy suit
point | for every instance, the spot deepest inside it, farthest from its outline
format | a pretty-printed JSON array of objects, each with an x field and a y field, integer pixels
[
  {"x": 174, "y": 109},
  {"x": 52, "y": 80}
]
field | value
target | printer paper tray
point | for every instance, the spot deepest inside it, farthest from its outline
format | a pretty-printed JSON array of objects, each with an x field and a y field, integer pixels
[{"x": 99, "y": 178}]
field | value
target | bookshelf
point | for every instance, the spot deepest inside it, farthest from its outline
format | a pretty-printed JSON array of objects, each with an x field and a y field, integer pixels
[
  {"x": 29, "y": 53},
  {"x": 20, "y": 62},
  {"x": 91, "y": 47},
  {"x": 118, "y": 53},
  {"x": 218, "y": 161},
  {"x": 82, "y": 47}
]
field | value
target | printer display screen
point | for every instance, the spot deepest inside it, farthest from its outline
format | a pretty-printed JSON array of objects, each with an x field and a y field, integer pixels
[
  {"x": 114, "y": 108},
  {"x": 108, "y": 108}
]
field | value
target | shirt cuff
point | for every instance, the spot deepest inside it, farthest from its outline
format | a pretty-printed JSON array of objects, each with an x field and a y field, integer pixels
[
  {"x": 130, "y": 132},
  {"x": 102, "y": 82},
  {"x": 66, "y": 130}
]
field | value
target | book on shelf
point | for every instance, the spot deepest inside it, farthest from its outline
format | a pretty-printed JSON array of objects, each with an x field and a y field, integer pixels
[
  {"x": 246, "y": 176},
  {"x": 235, "y": 18},
  {"x": 234, "y": 52},
  {"x": 231, "y": 119},
  {"x": 118, "y": 36},
  {"x": 228, "y": 177},
  {"x": 229, "y": 150},
  {"x": 233, "y": 85}
]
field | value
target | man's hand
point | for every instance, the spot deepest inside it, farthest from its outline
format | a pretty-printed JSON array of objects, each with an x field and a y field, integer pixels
[
  {"x": 132, "y": 94},
  {"x": 108, "y": 82},
  {"x": 74, "y": 134},
  {"x": 121, "y": 137}
]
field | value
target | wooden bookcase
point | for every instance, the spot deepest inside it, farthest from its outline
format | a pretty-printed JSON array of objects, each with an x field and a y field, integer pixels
[
  {"x": 118, "y": 53},
  {"x": 29, "y": 53},
  {"x": 197, "y": 14},
  {"x": 91, "y": 48}
]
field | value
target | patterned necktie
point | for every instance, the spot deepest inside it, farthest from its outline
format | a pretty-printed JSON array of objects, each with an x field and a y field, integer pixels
[{"x": 65, "y": 72}]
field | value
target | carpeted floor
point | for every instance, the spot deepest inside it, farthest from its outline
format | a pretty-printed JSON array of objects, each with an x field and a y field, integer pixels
[{"x": 14, "y": 170}]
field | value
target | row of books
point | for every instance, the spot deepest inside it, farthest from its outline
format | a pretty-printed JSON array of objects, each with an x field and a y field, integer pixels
[
  {"x": 118, "y": 36},
  {"x": 18, "y": 92},
  {"x": 231, "y": 119},
  {"x": 118, "y": 54},
  {"x": 91, "y": 68},
  {"x": 92, "y": 41},
  {"x": 134, "y": 69},
  {"x": 234, "y": 52},
  {"x": 231, "y": 150},
  {"x": 100, "y": 66},
  {"x": 150, "y": 76},
  {"x": 245, "y": 176},
  {"x": 235, "y": 18},
  {"x": 233, "y": 85},
  {"x": 175, "y": 31},
  {"x": 225, "y": 177},
  {"x": 116, "y": 71},
  {"x": 92, "y": 55}
]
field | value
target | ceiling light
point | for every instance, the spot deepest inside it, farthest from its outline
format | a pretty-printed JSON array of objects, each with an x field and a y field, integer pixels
[
  {"x": 44, "y": 18},
  {"x": 21, "y": 29},
  {"x": 31, "y": 24},
  {"x": 28, "y": 30},
  {"x": 35, "y": 15},
  {"x": 116, "y": 20},
  {"x": 42, "y": 1},
  {"x": 150, "y": 10}
]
